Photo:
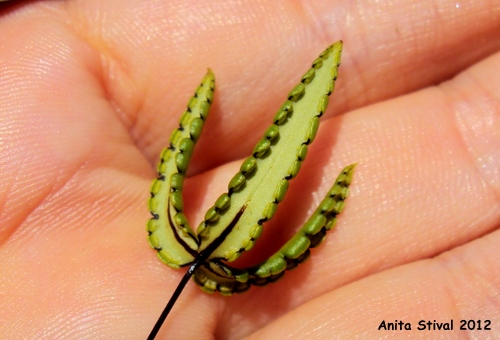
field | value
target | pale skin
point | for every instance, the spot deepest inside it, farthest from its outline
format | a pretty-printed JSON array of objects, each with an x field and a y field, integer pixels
[{"x": 90, "y": 92}]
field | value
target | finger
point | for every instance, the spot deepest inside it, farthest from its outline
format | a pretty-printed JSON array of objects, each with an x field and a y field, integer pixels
[
  {"x": 56, "y": 121},
  {"x": 461, "y": 284},
  {"x": 70, "y": 194},
  {"x": 425, "y": 182},
  {"x": 152, "y": 66}
]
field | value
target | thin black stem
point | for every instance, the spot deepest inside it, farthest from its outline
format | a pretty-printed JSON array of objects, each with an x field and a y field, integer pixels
[{"x": 173, "y": 299}]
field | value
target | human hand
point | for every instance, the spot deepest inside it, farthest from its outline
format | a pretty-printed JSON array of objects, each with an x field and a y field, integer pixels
[{"x": 90, "y": 92}]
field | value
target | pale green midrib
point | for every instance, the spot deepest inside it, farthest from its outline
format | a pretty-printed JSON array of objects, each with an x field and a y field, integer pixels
[
  {"x": 260, "y": 189},
  {"x": 175, "y": 250}
]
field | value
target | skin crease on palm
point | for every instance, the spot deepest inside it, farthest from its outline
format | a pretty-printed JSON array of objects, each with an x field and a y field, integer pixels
[{"x": 91, "y": 90}]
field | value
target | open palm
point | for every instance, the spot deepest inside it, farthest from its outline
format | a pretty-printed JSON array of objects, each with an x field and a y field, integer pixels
[{"x": 91, "y": 90}]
